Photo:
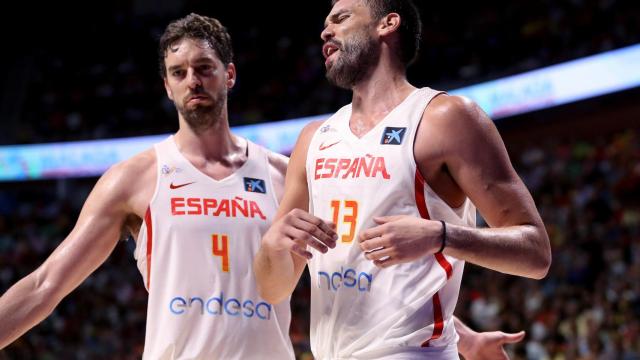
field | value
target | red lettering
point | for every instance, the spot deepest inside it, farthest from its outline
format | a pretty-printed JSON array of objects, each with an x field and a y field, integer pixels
[
  {"x": 343, "y": 164},
  {"x": 209, "y": 204},
  {"x": 319, "y": 163},
  {"x": 194, "y": 203},
  {"x": 380, "y": 166},
  {"x": 237, "y": 205},
  {"x": 352, "y": 169},
  {"x": 255, "y": 209},
  {"x": 175, "y": 203},
  {"x": 330, "y": 165},
  {"x": 216, "y": 207},
  {"x": 364, "y": 166},
  {"x": 224, "y": 207}
]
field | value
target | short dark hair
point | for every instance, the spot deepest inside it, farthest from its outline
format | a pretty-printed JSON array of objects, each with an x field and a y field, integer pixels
[
  {"x": 197, "y": 27},
  {"x": 410, "y": 28}
]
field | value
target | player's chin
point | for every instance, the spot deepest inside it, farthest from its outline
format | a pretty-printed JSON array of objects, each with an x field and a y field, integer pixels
[{"x": 328, "y": 65}]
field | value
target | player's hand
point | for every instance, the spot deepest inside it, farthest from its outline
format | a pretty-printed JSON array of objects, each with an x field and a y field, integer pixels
[
  {"x": 489, "y": 345},
  {"x": 298, "y": 229},
  {"x": 400, "y": 238}
]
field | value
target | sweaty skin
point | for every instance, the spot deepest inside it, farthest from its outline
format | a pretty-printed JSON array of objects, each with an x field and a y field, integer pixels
[
  {"x": 121, "y": 196},
  {"x": 457, "y": 149}
]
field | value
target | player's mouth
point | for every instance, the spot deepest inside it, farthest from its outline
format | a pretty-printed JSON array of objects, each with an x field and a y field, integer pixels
[
  {"x": 329, "y": 51},
  {"x": 196, "y": 99}
]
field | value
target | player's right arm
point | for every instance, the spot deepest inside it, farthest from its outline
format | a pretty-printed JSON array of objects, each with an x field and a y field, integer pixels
[
  {"x": 283, "y": 253},
  {"x": 93, "y": 238}
]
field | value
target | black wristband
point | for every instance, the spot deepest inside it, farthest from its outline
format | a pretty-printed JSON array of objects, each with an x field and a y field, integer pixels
[{"x": 444, "y": 237}]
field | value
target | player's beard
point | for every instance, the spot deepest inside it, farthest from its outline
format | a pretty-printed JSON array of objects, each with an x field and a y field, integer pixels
[
  {"x": 357, "y": 56},
  {"x": 202, "y": 117}
]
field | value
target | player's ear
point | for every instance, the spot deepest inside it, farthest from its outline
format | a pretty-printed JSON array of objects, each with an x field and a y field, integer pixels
[
  {"x": 231, "y": 75},
  {"x": 389, "y": 23}
]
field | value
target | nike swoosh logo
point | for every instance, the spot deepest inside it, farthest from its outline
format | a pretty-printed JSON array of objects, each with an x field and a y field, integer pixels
[
  {"x": 171, "y": 186},
  {"x": 322, "y": 146}
]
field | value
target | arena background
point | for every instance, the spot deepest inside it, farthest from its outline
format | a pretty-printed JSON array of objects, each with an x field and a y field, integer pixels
[{"x": 89, "y": 71}]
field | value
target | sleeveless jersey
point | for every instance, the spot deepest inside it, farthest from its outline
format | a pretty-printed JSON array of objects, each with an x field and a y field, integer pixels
[
  {"x": 195, "y": 252},
  {"x": 359, "y": 311}
]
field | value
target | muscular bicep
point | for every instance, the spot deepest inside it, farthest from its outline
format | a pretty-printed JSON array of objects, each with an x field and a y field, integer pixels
[{"x": 475, "y": 156}]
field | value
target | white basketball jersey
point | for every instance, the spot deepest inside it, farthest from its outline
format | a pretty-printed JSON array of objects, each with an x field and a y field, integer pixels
[
  {"x": 359, "y": 311},
  {"x": 195, "y": 252}
]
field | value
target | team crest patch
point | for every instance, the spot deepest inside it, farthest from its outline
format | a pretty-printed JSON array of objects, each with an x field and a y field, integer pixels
[
  {"x": 255, "y": 185},
  {"x": 168, "y": 170},
  {"x": 393, "y": 135}
]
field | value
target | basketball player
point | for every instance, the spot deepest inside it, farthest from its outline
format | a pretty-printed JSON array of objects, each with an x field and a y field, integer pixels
[
  {"x": 199, "y": 203},
  {"x": 400, "y": 172},
  {"x": 201, "y": 200}
]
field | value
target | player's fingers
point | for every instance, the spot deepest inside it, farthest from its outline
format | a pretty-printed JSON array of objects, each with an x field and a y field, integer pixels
[
  {"x": 316, "y": 232},
  {"x": 386, "y": 262},
  {"x": 372, "y": 244},
  {"x": 300, "y": 251},
  {"x": 371, "y": 233},
  {"x": 325, "y": 227},
  {"x": 308, "y": 239},
  {"x": 513, "y": 338},
  {"x": 385, "y": 219},
  {"x": 379, "y": 254}
]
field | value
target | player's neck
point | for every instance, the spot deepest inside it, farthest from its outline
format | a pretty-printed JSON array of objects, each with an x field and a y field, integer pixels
[
  {"x": 215, "y": 143},
  {"x": 380, "y": 92}
]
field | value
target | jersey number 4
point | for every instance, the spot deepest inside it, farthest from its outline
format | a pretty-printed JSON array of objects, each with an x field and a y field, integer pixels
[
  {"x": 350, "y": 216},
  {"x": 220, "y": 247}
]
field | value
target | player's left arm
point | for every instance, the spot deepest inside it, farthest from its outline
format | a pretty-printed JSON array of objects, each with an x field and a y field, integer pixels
[
  {"x": 461, "y": 140},
  {"x": 283, "y": 252},
  {"x": 475, "y": 155}
]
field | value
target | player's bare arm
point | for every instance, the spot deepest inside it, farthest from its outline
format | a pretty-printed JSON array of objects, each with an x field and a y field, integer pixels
[
  {"x": 460, "y": 154},
  {"x": 283, "y": 253},
  {"x": 117, "y": 195}
]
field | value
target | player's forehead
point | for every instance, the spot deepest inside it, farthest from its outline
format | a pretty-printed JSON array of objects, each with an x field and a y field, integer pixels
[
  {"x": 190, "y": 49},
  {"x": 343, "y": 6}
]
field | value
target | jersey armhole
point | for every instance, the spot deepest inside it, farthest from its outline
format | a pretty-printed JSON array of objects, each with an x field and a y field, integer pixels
[{"x": 415, "y": 132}]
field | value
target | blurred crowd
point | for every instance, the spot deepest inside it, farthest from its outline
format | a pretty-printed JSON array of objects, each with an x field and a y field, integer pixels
[
  {"x": 588, "y": 306},
  {"x": 97, "y": 76}
]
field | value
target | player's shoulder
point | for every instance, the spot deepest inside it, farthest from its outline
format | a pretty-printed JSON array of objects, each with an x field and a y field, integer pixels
[
  {"x": 311, "y": 128},
  {"x": 277, "y": 162},
  {"x": 305, "y": 136},
  {"x": 277, "y": 171},
  {"x": 455, "y": 113},
  {"x": 446, "y": 106},
  {"x": 128, "y": 175}
]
